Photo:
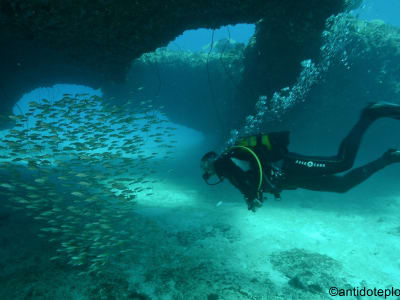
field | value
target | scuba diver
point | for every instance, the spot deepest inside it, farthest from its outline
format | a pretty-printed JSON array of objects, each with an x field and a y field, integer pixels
[{"x": 262, "y": 163}]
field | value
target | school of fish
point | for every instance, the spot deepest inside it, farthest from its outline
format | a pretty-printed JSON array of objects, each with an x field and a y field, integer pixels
[{"x": 77, "y": 166}]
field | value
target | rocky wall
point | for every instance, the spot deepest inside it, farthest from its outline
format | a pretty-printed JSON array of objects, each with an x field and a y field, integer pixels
[{"x": 46, "y": 42}]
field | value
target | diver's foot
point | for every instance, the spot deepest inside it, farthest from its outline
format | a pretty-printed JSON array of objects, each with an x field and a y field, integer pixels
[
  {"x": 377, "y": 110},
  {"x": 392, "y": 155}
]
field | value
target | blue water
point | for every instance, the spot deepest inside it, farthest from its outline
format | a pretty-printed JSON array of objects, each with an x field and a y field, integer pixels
[
  {"x": 386, "y": 10},
  {"x": 196, "y": 40}
]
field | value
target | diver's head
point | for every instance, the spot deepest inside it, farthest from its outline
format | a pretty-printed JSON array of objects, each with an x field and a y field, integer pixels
[{"x": 207, "y": 164}]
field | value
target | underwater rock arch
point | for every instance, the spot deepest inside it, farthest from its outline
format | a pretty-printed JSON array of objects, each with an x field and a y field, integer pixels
[{"x": 94, "y": 42}]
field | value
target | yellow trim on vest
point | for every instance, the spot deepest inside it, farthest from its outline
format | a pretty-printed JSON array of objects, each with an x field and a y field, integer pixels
[
  {"x": 252, "y": 141},
  {"x": 265, "y": 141},
  {"x": 242, "y": 142},
  {"x": 258, "y": 163}
]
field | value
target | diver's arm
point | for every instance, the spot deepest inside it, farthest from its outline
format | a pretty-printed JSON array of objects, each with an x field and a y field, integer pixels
[
  {"x": 242, "y": 180},
  {"x": 251, "y": 196}
]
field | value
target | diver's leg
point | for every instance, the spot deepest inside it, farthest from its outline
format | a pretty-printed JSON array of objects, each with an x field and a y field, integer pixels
[
  {"x": 302, "y": 165},
  {"x": 351, "y": 143},
  {"x": 341, "y": 184},
  {"x": 349, "y": 147}
]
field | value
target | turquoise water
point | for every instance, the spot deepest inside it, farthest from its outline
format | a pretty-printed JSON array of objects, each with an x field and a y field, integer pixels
[
  {"x": 106, "y": 201},
  {"x": 74, "y": 228}
]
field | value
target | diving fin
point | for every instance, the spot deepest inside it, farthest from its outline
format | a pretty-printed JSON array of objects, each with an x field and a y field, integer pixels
[{"x": 382, "y": 109}]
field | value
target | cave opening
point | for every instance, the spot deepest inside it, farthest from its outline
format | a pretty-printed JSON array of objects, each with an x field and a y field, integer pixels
[
  {"x": 199, "y": 40},
  {"x": 52, "y": 94}
]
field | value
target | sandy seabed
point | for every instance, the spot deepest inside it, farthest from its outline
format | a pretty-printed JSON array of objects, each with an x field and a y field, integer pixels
[{"x": 202, "y": 243}]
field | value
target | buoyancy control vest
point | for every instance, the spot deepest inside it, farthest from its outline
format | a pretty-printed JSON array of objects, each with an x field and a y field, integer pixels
[{"x": 266, "y": 149}]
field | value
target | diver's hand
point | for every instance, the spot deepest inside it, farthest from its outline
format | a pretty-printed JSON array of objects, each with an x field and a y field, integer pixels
[{"x": 254, "y": 204}]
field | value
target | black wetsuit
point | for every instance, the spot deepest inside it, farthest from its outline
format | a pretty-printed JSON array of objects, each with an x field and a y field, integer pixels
[{"x": 292, "y": 170}]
